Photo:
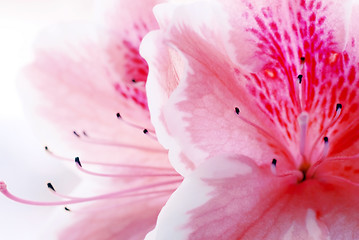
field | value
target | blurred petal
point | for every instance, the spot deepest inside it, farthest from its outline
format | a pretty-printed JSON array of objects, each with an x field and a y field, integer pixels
[
  {"x": 71, "y": 86},
  {"x": 86, "y": 92}
]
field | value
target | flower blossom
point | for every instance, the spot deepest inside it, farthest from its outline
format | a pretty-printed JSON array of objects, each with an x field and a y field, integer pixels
[
  {"x": 263, "y": 122},
  {"x": 85, "y": 91}
]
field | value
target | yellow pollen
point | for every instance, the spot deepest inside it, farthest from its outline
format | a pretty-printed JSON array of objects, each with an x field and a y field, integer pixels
[
  {"x": 269, "y": 73},
  {"x": 333, "y": 58}
]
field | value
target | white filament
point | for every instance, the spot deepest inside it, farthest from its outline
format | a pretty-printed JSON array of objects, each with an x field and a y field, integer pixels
[
  {"x": 273, "y": 169},
  {"x": 303, "y": 125},
  {"x": 326, "y": 149}
]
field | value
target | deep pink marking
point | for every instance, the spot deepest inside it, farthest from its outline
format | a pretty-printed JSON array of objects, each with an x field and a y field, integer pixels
[
  {"x": 343, "y": 95},
  {"x": 352, "y": 96},
  {"x": 321, "y": 20},
  {"x": 303, "y": 5},
  {"x": 312, "y": 17},
  {"x": 340, "y": 82},
  {"x": 260, "y": 23},
  {"x": 132, "y": 67},
  {"x": 353, "y": 107},
  {"x": 312, "y": 29},
  {"x": 351, "y": 76},
  {"x": 273, "y": 26},
  {"x": 311, "y": 5},
  {"x": 319, "y": 5}
]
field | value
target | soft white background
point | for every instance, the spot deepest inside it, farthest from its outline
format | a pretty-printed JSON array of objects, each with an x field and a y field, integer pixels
[{"x": 23, "y": 164}]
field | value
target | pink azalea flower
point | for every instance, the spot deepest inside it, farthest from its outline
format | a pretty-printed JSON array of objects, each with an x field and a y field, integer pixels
[
  {"x": 263, "y": 122},
  {"x": 86, "y": 92}
]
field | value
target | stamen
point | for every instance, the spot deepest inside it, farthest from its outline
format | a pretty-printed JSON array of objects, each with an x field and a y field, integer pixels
[
  {"x": 303, "y": 126},
  {"x": 299, "y": 85},
  {"x": 286, "y": 152},
  {"x": 143, "y": 174},
  {"x": 145, "y": 131},
  {"x": 302, "y": 62},
  {"x": 300, "y": 78},
  {"x": 151, "y": 135},
  {"x": 273, "y": 166},
  {"x": 53, "y": 191},
  {"x": 298, "y": 89},
  {"x": 127, "y": 195},
  {"x": 110, "y": 164},
  {"x": 76, "y": 134},
  {"x": 92, "y": 140},
  {"x": 79, "y": 134},
  {"x": 5, "y": 192},
  {"x": 49, "y": 186},
  {"x": 338, "y": 111},
  {"x": 139, "y": 198},
  {"x": 315, "y": 166},
  {"x": 118, "y": 115},
  {"x": 295, "y": 173},
  {"x": 67, "y": 209},
  {"x": 300, "y": 95},
  {"x": 326, "y": 147},
  {"x": 77, "y": 161}
]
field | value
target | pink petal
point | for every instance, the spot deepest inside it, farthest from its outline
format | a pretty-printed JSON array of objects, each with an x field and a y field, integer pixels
[
  {"x": 210, "y": 65},
  {"x": 261, "y": 81},
  {"x": 162, "y": 80},
  {"x": 166, "y": 68},
  {"x": 346, "y": 137},
  {"x": 233, "y": 198},
  {"x": 340, "y": 169}
]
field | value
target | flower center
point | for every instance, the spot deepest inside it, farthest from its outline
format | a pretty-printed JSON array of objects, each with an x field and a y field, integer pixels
[
  {"x": 304, "y": 167},
  {"x": 309, "y": 162},
  {"x": 310, "y": 156}
]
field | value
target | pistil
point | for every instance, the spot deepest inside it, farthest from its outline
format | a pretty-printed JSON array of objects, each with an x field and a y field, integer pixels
[{"x": 303, "y": 127}]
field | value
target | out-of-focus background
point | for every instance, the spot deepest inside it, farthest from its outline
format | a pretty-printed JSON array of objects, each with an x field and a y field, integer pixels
[{"x": 24, "y": 165}]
